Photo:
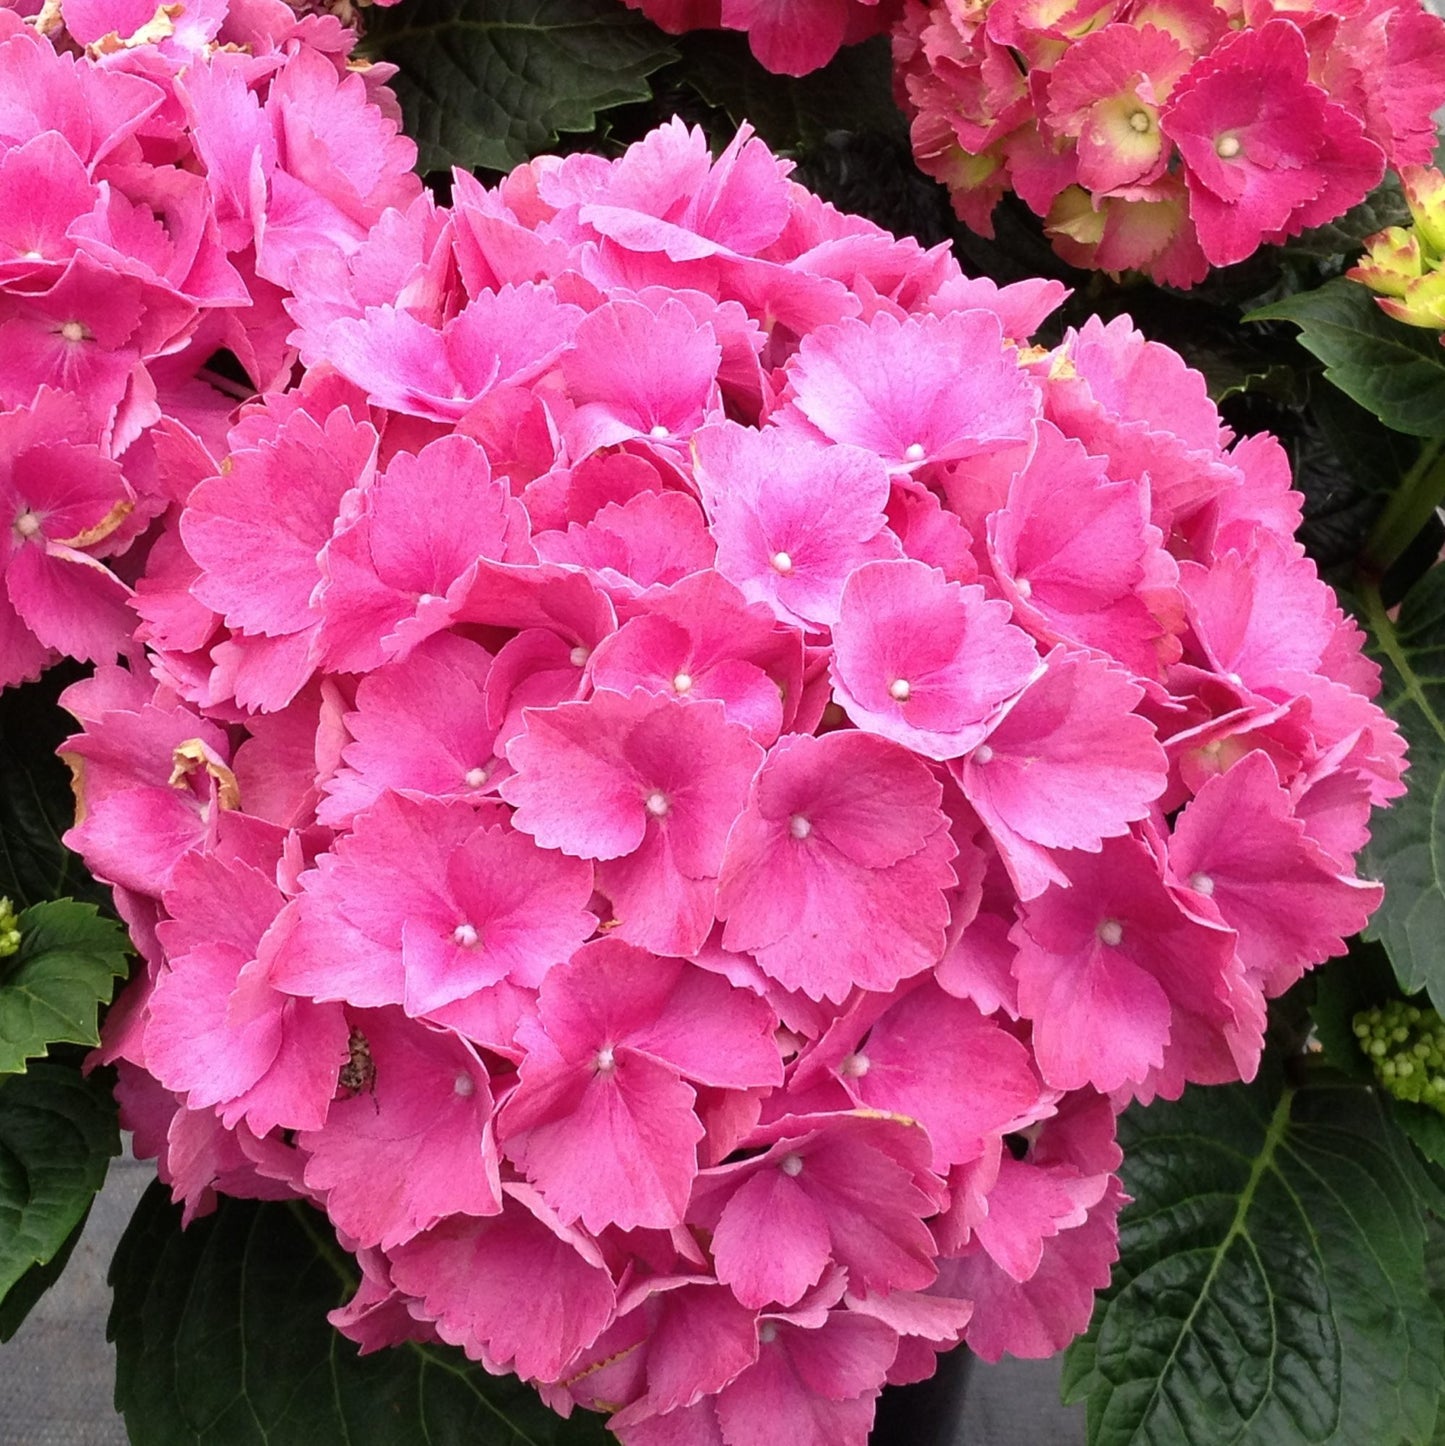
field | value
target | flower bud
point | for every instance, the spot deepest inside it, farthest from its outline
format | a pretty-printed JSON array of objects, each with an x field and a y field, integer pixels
[
  {"x": 1403, "y": 1043},
  {"x": 9, "y": 929}
]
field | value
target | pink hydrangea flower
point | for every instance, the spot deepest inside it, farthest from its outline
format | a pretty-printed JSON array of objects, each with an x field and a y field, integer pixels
[
  {"x": 1166, "y": 140},
  {"x": 676, "y": 779}
]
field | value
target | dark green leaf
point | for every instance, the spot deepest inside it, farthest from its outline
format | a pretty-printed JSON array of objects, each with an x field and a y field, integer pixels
[
  {"x": 36, "y": 804},
  {"x": 27, "y": 1292},
  {"x": 492, "y": 85},
  {"x": 1343, "y": 987},
  {"x": 52, "y": 990},
  {"x": 1395, "y": 371},
  {"x": 1271, "y": 1282},
  {"x": 1346, "y": 235},
  {"x": 853, "y": 92},
  {"x": 1424, "y": 1126},
  {"x": 1407, "y": 841},
  {"x": 57, "y": 1135},
  {"x": 222, "y": 1340}
]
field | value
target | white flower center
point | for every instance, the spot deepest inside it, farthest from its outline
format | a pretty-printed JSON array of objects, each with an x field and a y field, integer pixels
[
  {"x": 983, "y": 754},
  {"x": 475, "y": 777},
  {"x": 799, "y": 826},
  {"x": 75, "y": 331},
  {"x": 1227, "y": 147},
  {"x": 658, "y": 431},
  {"x": 32, "y": 256},
  {"x": 899, "y": 689},
  {"x": 464, "y": 1085},
  {"x": 27, "y": 524},
  {"x": 656, "y": 803},
  {"x": 1235, "y": 679},
  {"x": 855, "y": 1066},
  {"x": 767, "y": 1333},
  {"x": 1202, "y": 884},
  {"x": 606, "y": 1062},
  {"x": 1111, "y": 932},
  {"x": 782, "y": 562},
  {"x": 913, "y": 452},
  {"x": 466, "y": 936},
  {"x": 1024, "y": 588},
  {"x": 682, "y": 683},
  {"x": 791, "y": 1165},
  {"x": 426, "y": 597}
]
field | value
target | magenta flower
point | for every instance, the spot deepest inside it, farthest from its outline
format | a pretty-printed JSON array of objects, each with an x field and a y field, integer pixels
[
  {"x": 414, "y": 1146},
  {"x": 518, "y": 1291},
  {"x": 792, "y": 519},
  {"x": 480, "y": 904},
  {"x": 837, "y": 869},
  {"x": 849, "y": 1189},
  {"x": 618, "y": 1030},
  {"x": 648, "y": 786},
  {"x": 926, "y": 662},
  {"x": 904, "y": 390}
]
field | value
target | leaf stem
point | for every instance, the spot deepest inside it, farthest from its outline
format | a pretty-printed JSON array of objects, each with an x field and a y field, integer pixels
[
  {"x": 1413, "y": 503},
  {"x": 1383, "y": 629}
]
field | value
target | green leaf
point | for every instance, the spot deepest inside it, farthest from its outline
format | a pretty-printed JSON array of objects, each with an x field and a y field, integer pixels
[
  {"x": 1343, "y": 987},
  {"x": 36, "y": 804},
  {"x": 1271, "y": 1281},
  {"x": 1395, "y": 371},
  {"x": 57, "y": 1135},
  {"x": 27, "y": 1292},
  {"x": 1346, "y": 235},
  {"x": 853, "y": 92},
  {"x": 1424, "y": 1126},
  {"x": 52, "y": 989},
  {"x": 494, "y": 84},
  {"x": 222, "y": 1340},
  {"x": 1406, "y": 850}
]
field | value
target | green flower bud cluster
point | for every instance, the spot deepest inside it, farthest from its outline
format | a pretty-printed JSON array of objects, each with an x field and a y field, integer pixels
[
  {"x": 1406, "y": 1046},
  {"x": 9, "y": 929}
]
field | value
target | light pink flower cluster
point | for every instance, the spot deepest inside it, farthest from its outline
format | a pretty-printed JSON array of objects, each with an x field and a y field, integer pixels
[
  {"x": 687, "y": 771},
  {"x": 161, "y": 174},
  {"x": 788, "y": 37},
  {"x": 1168, "y": 136}
]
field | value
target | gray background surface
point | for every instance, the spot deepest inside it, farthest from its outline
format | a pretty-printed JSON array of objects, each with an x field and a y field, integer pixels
[{"x": 56, "y": 1375}]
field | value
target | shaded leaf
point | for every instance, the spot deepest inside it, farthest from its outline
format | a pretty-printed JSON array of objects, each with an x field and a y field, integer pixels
[
  {"x": 1271, "y": 1283},
  {"x": 57, "y": 1135},
  {"x": 1346, "y": 235},
  {"x": 36, "y": 804},
  {"x": 853, "y": 92},
  {"x": 28, "y": 1291},
  {"x": 221, "y": 1338},
  {"x": 1395, "y": 371},
  {"x": 52, "y": 989},
  {"x": 492, "y": 85},
  {"x": 1343, "y": 987},
  {"x": 1407, "y": 840}
]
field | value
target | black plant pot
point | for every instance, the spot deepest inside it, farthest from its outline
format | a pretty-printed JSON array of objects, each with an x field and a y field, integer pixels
[{"x": 930, "y": 1413}]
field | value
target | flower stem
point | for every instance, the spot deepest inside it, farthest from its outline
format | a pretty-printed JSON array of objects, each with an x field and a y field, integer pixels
[{"x": 1421, "y": 491}]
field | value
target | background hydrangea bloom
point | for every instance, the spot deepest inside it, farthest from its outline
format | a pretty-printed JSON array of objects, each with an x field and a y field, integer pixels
[{"x": 1168, "y": 139}]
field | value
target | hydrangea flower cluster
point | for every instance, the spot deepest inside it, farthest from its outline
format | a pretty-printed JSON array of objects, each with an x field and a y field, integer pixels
[
  {"x": 161, "y": 174},
  {"x": 1168, "y": 136},
  {"x": 787, "y": 37},
  {"x": 684, "y": 774}
]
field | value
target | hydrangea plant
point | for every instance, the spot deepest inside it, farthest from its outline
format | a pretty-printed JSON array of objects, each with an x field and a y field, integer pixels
[{"x": 672, "y": 761}]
